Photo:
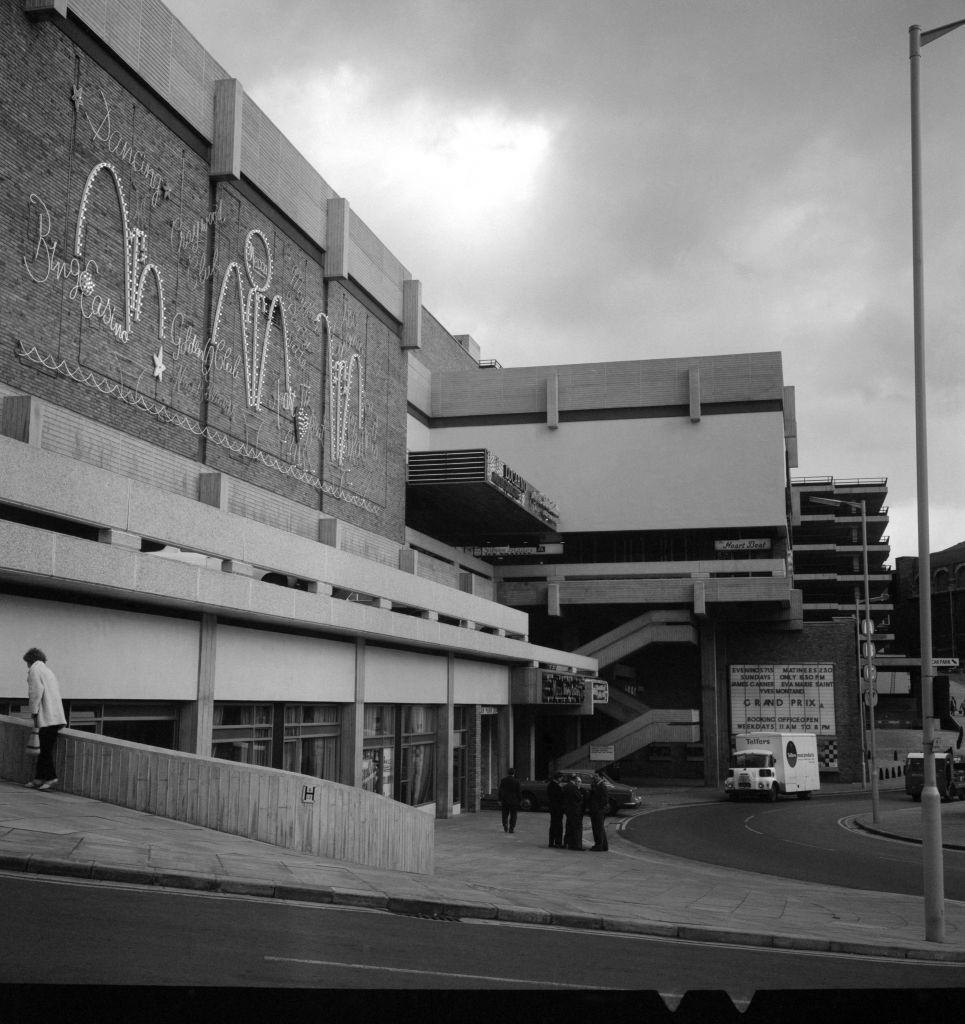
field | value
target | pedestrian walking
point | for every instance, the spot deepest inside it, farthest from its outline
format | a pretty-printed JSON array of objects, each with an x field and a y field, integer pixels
[
  {"x": 47, "y": 711},
  {"x": 598, "y": 803},
  {"x": 554, "y": 797},
  {"x": 510, "y": 795},
  {"x": 573, "y": 809}
]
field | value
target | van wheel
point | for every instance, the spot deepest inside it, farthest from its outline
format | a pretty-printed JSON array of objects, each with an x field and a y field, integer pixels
[
  {"x": 528, "y": 802},
  {"x": 771, "y": 795}
]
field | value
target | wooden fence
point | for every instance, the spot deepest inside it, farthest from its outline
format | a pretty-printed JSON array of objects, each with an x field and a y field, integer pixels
[{"x": 296, "y": 812}]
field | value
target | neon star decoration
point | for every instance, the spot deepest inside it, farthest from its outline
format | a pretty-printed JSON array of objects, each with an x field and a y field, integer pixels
[{"x": 159, "y": 366}]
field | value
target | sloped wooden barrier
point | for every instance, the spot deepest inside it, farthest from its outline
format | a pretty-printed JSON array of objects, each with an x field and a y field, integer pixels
[{"x": 296, "y": 812}]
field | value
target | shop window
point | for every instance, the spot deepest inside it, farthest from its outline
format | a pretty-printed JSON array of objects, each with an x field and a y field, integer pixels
[
  {"x": 378, "y": 749},
  {"x": 155, "y": 725},
  {"x": 312, "y": 740},
  {"x": 398, "y": 752},
  {"x": 242, "y": 733},
  {"x": 417, "y": 777}
]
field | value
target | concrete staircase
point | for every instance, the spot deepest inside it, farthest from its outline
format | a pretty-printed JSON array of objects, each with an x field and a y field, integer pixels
[
  {"x": 640, "y": 725},
  {"x": 670, "y": 626},
  {"x": 659, "y": 725}
]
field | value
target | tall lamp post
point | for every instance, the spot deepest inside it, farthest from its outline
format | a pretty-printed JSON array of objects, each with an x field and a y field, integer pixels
[
  {"x": 866, "y": 631},
  {"x": 933, "y": 881},
  {"x": 931, "y": 822}
]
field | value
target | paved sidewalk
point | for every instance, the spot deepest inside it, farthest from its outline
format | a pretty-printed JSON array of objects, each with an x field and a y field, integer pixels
[{"x": 483, "y": 872}]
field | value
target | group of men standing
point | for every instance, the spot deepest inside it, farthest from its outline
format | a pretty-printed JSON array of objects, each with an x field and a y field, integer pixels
[{"x": 568, "y": 802}]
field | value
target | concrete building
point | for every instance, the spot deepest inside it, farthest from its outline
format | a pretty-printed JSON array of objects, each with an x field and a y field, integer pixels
[
  {"x": 828, "y": 550},
  {"x": 203, "y": 376},
  {"x": 257, "y": 501},
  {"x": 669, "y": 561}
]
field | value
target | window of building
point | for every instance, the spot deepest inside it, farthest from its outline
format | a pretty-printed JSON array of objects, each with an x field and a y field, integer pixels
[
  {"x": 242, "y": 732},
  {"x": 417, "y": 775},
  {"x": 378, "y": 749},
  {"x": 398, "y": 752},
  {"x": 311, "y": 743},
  {"x": 302, "y": 738},
  {"x": 153, "y": 724},
  {"x": 460, "y": 755}
]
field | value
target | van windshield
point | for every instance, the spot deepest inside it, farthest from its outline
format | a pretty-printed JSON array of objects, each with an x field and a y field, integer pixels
[{"x": 750, "y": 759}]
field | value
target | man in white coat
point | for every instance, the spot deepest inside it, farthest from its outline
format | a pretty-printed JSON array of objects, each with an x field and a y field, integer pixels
[{"x": 47, "y": 710}]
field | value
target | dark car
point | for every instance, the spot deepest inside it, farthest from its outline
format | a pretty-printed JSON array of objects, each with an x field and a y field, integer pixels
[{"x": 534, "y": 791}]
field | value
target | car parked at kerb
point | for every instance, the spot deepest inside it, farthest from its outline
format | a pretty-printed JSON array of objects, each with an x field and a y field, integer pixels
[{"x": 621, "y": 797}]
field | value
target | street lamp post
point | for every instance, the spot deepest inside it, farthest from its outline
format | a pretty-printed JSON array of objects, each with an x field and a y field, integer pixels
[
  {"x": 931, "y": 822},
  {"x": 866, "y": 633}
]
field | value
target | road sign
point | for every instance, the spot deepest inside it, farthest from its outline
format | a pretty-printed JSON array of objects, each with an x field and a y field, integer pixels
[
  {"x": 869, "y": 673},
  {"x": 870, "y": 697},
  {"x": 944, "y": 662}
]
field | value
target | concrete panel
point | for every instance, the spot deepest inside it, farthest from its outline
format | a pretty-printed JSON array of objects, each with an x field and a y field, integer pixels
[
  {"x": 404, "y": 677},
  {"x": 52, "y": 483},
  {"x": 24, "y": 549},
  {"x": 725, "y": 471},
  {"x": 260, "y": 665},
  {"x": 100, "y": 564},
  {"x": 479, "y": 683},
  {"x": 100, "y": 655},
  {"x": 184, "y": 523}
]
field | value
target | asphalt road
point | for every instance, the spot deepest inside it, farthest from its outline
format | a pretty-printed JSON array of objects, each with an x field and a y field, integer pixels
[
  {"x": 74, "y": 932},
  {"x": 802, "y": 839}
]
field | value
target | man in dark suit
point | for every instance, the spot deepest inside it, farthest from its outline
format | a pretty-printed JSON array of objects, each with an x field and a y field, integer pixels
[
  {"x": 554, "y": 797},
  {"x": 510, "y": 795},
  {"x": 573, "y": 808},
  {"x": 598, "y": 803}
]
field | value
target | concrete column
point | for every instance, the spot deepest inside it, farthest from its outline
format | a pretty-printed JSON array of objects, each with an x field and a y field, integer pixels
[
  {"x": 229, "y": 99},
  {"x": 212, "y": 490},
  {"x": 22, "y": 418},
  {"x": 714, "y": 716},
  {"x": 444, "y": 730},
  {"x": 353, "y": 725},
  {"x": 197, "y": 720},
  {"x": 504, "y": 739}
]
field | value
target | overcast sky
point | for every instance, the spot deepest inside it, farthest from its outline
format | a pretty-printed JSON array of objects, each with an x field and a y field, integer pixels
[{"x": 581, "y": 180}]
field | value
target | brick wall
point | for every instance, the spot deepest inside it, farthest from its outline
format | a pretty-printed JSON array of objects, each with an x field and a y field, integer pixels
[
  {"x": 819, "y": 642},
  {"x": 178, "y": 336}
]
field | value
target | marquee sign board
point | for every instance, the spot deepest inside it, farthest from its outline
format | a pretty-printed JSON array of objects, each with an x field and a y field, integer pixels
[{"x": 789, "y": 698}]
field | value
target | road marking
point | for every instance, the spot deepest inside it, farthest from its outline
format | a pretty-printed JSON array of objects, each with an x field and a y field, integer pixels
[{"x": 435, "y": 974}]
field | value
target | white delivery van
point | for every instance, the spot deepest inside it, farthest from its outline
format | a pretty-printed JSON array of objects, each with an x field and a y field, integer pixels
[{"x": 765, "y": 764}]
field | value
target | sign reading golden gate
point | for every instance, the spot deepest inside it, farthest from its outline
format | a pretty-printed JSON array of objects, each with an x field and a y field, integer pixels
[{"x": 796, "y": 698}]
